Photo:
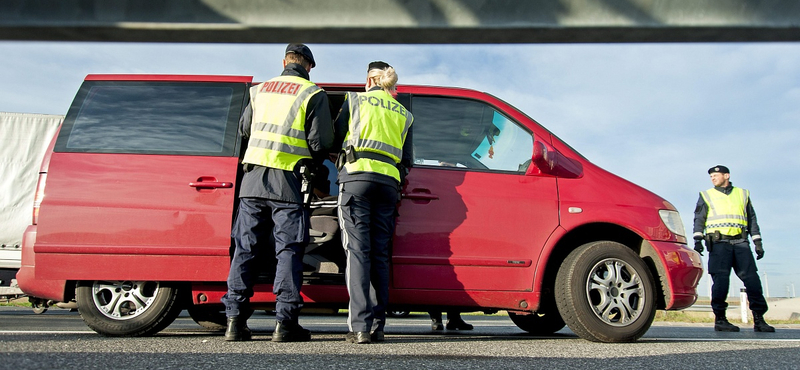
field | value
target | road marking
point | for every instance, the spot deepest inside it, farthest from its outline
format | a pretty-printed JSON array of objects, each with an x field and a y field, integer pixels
[
  {"x": 720, "y": 339},
  {"x": 463, "y": 334},
  {"x": 46, "y": 332},
  {"x": 394, "y": 323}
]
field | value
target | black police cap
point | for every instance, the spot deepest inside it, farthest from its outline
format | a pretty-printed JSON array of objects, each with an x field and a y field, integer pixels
[
  {"x": 718, "y": 168},
  {"x": 378, "y": 65},
  {"x": 302, "y": 50}
]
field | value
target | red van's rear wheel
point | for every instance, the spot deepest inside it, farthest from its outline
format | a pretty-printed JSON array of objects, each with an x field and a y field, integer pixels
[
  {"x": 538, "y": 323},
  {"x": 128, "y": 308},
  {"x": 212, "y": 318}
]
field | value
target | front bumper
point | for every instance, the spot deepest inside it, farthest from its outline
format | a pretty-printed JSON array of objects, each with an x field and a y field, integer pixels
[{"x": 680, "y": 269}]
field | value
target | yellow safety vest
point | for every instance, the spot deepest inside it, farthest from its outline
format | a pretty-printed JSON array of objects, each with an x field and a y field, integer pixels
[
  {"x": 378, "y": 124},
  {"x": 726, "y": 213},
  {"x": 277, "y": 132}
]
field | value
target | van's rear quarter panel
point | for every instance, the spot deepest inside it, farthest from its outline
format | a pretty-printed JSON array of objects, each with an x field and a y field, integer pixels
[
  {"x": 131, "y": 216},
  {"x": 32, "y": 285}
]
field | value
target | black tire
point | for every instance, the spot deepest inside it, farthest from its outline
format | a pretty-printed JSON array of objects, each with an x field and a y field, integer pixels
[
  {"x": 212, "y": 318},
  {"x": 128, "y": 308},
  {"x": 599, "y": 304},
  {"x": 538, "y": 323}
]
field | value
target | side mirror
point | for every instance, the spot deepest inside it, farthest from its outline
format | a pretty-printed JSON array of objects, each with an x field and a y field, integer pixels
[
  {"x": 550, "y": 161},
  {"x": 541, "y": 157}
]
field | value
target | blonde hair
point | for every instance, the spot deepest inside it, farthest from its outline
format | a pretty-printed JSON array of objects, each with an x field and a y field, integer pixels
[
  {"x": 386, "y": 78},
  {"x": 292, "y": 57}
]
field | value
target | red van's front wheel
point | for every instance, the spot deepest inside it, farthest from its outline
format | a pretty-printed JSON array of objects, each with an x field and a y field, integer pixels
[
  {"x": 128, "y": 308},
  {"x": 605, "y": 293}
]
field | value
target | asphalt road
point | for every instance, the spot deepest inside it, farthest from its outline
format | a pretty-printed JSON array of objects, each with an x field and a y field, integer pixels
[{"x": 59, "y": 339}]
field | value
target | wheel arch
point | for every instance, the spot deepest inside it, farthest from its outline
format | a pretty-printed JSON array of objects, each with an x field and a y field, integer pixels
[
  {"x": 69, "y": 290},
  {"x": 184, "y": 297},
  {"x": 570, "y": 240}
]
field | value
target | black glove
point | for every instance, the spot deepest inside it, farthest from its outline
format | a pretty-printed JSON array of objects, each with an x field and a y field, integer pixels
[
  {"x": 320, "y": 181},
  {"x": 403, "y": 173},
  {"x": 698, "y": 246},
  {"x": 759, "y": 249}
]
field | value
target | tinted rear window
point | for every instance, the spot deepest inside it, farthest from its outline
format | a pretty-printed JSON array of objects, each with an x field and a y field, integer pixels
[{"x": 153, "y": 118}]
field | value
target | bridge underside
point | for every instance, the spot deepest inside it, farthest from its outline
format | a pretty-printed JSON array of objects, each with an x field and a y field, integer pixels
[{"x": 401, "y": 21}]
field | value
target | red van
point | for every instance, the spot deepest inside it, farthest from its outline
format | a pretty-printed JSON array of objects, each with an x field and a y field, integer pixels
[{"x": 135, "y": 204}]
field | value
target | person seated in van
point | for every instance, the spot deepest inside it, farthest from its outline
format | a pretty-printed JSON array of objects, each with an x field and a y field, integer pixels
[
  {"x": 288, "y": 127},
  {"x": 374, "y": 128}
]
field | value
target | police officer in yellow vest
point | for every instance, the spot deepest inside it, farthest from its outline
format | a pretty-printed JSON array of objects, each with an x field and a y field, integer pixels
[
  {"x": 287, "y": 125},
  {"x": 376, "y": 151},
  {"x": 723, "y": 218}
]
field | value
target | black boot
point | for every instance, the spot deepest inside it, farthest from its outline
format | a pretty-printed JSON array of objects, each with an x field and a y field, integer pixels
[
  {"x": 237, "y": 330},
  {"x": 721, "y": 323},
  {"x": 455, "y": 322},
  {"x": 436, "y": 321},
  {"x": 287, "y": 331},
  {"x": 458, "y": 325},
  {"x": 377, "y": 336},
  {"x": 760, "y": 325}
]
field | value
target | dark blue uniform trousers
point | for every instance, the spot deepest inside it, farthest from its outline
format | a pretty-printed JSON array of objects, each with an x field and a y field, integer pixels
[
  {"x": 366, "y": 215},
  {"x": 288, "y": 224},
  {"x": 737, "y": 255}
]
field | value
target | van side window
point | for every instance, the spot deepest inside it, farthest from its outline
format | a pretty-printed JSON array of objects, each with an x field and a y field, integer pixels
[
  {"x": 469, "y": 134},
  {"x": 153, "y": 118}
]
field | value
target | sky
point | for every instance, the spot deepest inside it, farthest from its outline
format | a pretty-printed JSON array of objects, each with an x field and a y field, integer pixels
[{"x": 658, "y": 115}]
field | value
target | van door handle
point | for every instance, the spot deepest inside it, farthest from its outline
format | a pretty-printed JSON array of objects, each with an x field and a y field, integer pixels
[
  {"x": 420, "y": 194},
  {"x": 210, "y": 183}
]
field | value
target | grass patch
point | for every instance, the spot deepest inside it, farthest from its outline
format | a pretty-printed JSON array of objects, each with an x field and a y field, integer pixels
[
  {"x": 18, "y": 302},
  {"x": 681, "y": 316}
]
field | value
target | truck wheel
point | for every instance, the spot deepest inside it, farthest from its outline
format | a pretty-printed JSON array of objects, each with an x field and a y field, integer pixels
[
  {"x": 39, "y": 306},
  {"x": 538, "y": 323},
  {"x": 128, "y": 308},
  {"x": 605, "y": 293},
  {"x": 208, "y": 317},
  {"x": 39, "y": 309}
]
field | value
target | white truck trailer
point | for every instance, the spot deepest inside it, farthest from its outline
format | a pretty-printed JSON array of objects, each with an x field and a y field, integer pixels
[{"x": 24, "y": 138}]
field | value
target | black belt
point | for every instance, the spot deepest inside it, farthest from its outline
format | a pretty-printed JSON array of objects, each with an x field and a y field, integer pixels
[
  {"x": 375, "y": 156},
  {"x": 729, "y": 237}
]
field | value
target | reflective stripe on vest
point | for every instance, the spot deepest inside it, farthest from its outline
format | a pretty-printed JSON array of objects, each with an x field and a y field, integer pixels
[
  {"x": 277, "y": 132},
  {"x": 379, "y": 124},
  {"x": 726, "y": 213}
]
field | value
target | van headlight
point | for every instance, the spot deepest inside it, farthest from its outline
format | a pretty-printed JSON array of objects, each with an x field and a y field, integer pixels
[{"x": 672, "y": 219}]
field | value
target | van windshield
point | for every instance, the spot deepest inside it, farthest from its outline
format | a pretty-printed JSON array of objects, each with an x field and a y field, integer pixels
[{"x": 542, "y": 126}]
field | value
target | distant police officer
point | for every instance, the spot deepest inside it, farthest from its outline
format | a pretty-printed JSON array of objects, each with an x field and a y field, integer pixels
[
  {"x": 288, "y": 126},
  {"x": 374, "y": 127},
  {"x": 726, "y": 216}
]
